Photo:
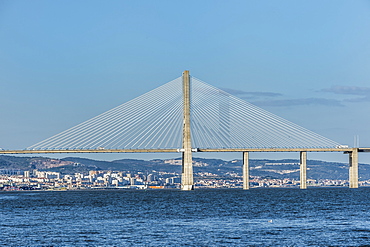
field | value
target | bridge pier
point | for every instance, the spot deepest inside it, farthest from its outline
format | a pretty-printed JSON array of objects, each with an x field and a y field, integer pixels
[
  {"x": 303, "y": 170},
  {"x": 245, "y": 170},
  {"x": 353, "y": 168},
  {"x": 187, "y": 180}
]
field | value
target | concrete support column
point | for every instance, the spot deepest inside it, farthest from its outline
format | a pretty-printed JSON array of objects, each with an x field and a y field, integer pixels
[
  {"x": 353, "y": 168},
  {"x": 303, "y": 170},
  {"x": 245, "y": 170},
  {"x": 187, "y": 180}
]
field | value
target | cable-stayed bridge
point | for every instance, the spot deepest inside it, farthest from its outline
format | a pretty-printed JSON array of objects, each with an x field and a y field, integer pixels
[{"x": 188, "y": 115}]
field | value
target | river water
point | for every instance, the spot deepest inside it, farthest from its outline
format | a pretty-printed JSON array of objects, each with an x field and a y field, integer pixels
[{"x": 267, "y": 217}]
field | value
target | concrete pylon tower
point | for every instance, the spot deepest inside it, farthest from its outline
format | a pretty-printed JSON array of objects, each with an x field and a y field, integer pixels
[{"x": 187, "y": 181}]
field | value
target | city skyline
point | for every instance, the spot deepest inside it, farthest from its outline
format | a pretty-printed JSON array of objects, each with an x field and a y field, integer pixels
[{"x": 52, "y": 174}]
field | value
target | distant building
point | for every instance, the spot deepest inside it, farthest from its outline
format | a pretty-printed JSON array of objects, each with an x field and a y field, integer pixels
[{"x": 26, "y": 174}]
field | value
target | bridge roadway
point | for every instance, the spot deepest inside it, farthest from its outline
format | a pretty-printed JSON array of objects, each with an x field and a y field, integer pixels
[
  {"x": 58, "y": 151},
  {"x": 352, "y": 152}
]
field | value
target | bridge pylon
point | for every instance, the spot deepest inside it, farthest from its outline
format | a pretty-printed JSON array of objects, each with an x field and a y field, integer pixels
[
  {"x": 187, "y": 180},
  {"x": 353, "y": 168}
]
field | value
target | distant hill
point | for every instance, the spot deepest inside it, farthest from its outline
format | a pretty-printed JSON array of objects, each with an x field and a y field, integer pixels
[{"x": 285, "y": 168}]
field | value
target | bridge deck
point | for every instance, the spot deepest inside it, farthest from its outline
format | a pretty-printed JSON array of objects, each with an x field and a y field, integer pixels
[{"x": 179, "y": 150}]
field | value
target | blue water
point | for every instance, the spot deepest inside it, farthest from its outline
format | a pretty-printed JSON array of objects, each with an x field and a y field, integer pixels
[{"x": 268, "y": 217}]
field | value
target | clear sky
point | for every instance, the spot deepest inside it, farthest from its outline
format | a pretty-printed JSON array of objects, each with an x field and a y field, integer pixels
[{"x": 63, "y": 62}]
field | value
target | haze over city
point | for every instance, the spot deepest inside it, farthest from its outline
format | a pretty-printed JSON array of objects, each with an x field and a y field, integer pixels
[{"x": 64, "y": 62}]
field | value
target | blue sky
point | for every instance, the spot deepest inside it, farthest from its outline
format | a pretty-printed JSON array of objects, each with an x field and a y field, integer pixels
[{"x": 63, "y": 62}]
